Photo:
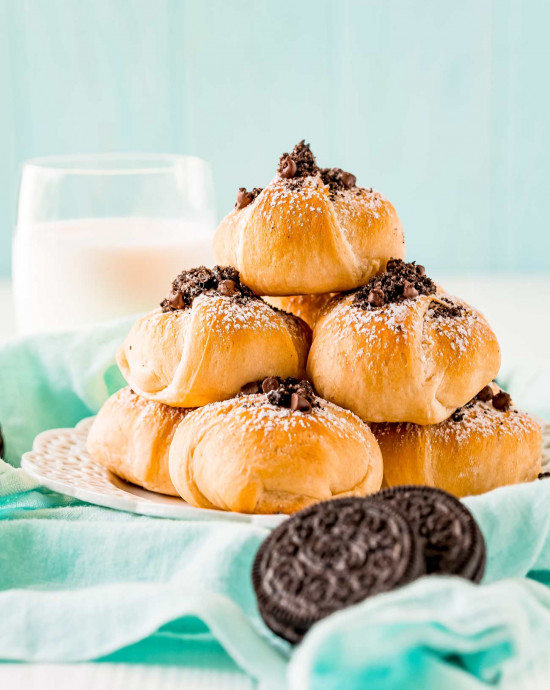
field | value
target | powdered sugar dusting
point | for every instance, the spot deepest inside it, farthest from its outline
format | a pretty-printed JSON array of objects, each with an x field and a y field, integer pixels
[
  {"x": 460, "y": 331},
  {"x": 399, "y": 318},
  {"x": 367, "y": 323},
  {"x": 297, "y": 199},
  {"x": 265, "y": 418},
  {"x": 480, "y": 419},
  {"x": 354, "y": 204},
  {"x": 294, "y": 201},
  {"x": 225, "y": 315}
]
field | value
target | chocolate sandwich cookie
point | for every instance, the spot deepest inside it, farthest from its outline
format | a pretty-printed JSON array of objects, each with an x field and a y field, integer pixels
[
  {"x": 452, "y": 541},
  {"x": 330, "y": 556}
]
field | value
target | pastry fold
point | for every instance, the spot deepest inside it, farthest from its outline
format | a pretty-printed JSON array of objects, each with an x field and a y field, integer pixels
[
  {"x": 207, "y": 352},
  {"x": 249, "y": 456},
  {"x": 402, "y": 362},
  {"x": 303, "y": 240},
  {"x": 131, "y": 436}
]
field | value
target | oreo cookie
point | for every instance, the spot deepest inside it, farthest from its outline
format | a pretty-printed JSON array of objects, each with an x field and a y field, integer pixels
[
  {"x": 330, "y": 556},
  {"x": 452, "y": 541}
]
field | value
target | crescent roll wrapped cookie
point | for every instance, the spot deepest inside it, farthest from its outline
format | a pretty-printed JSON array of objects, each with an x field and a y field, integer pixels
[
  {"x": 131, "y": 436},
  {"x": 397, "y": 350},
  {"x": 210, "y": 337},
  {"x": 276, "y": 449},
  {"x": 311, "y": 230},
  {"x": 485, "y": 444}
]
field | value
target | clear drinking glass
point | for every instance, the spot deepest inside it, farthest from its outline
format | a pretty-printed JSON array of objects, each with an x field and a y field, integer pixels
[{"x": 102, "y": 236}]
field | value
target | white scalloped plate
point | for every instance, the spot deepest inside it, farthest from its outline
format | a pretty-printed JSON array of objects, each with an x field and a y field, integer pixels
[{"x": 60, "y": 462}]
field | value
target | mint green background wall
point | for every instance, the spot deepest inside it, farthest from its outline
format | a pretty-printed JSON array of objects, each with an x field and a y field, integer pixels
[{"x": 442, "y": 105}]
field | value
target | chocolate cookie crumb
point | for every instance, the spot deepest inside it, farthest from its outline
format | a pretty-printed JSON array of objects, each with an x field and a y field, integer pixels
[
  {"x": 196, "y": 281},
  {"x": 301, "y": 162},
  {"x": 399, "y": 282},
  {"x": 544, "y": 475},
  {"x": 501, "y": 401},
  {"x": 290, "y": 392},
  {"x": 443, "y": 307},
  {"x": 245, "y": 198},
  {"x": 337, "y": 179}
]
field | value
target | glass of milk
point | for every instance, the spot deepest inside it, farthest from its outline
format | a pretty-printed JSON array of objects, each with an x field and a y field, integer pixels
[{"x": 104, "y": 236}]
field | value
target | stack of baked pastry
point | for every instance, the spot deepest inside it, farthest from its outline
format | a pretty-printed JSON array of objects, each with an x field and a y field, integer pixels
[{"x": 313, "y": 363}]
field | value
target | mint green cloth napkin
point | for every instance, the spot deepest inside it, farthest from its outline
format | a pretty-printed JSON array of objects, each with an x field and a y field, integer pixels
[
  {"x": 54, "y": 380},
  {"x": 78, "y": 582}
]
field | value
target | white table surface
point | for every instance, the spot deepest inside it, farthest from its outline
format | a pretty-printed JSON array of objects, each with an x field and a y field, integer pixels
[{"x": 517, "y": 308}]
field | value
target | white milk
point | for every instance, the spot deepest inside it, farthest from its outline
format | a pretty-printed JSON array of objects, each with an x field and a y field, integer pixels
[{"x": 69, "y": 273}]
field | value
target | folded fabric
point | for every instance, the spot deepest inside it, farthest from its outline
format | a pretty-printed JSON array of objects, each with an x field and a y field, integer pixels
[
  {"x": 78, "y": 582},
  {"x": 54, "y": 380},
  {"x": 436, "y": 633}
]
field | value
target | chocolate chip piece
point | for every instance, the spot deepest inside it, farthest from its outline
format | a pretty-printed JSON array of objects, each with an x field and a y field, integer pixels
[
  {"x": 453, "y": 543},
  {"x": 251, "y": 388},
  {"x": 542, "y": 475},
  {"x": 502, "y": 401},
  {"x": 298, "y": 403},
  {"x": 409, "y": 291},
  {"x": 227, "y": 288},
  {"x": 458, "y": 415},
  {"x": 420, "y": 270},
  {"x": 330, "y": 556},
  {"x": 175, "y": 299},
  {"x": 485, "y": 394},
  {"x": 288, "y": 168},
  {"x": 348, "y": 179},
  {"x": 377, "y": 297},
  {"x": 270, "y": 384},
  {"x": 243, "y": 198}
]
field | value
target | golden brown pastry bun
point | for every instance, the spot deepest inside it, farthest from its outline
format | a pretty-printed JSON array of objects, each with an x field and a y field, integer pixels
[
  {"x": 311, "y": 230},
  {"x": 131, "y": 436},
  {"x": 306, "y": 307},
  {"x": 414, "y": 359},
  {"x": 211, "y": 343},
  {"x": 477, "y": 449},
  {"x": 250, "y": 455}
]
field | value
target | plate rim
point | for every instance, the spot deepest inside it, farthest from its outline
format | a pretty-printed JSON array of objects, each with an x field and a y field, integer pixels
[{"x": 130, "y": 503}]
